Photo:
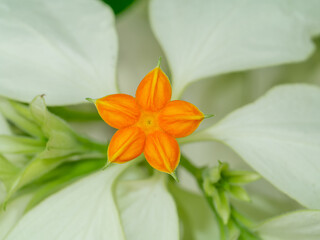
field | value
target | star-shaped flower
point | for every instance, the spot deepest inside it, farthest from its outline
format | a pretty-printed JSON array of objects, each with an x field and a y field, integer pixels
[{"x": 149, "y": 123}]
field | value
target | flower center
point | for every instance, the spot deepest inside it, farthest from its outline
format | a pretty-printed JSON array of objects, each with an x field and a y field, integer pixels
[{"x": 148, "y": 122}]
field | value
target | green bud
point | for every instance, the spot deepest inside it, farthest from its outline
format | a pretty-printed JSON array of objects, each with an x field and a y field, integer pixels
[
  {"x": 208, "y": 187},
  {"x": 7, "y": 172},
  {"x": 241, "y": 177},
  {"x": 214, "y": 174},
  {"x": 59, "y": 143},
  {"x": 239, "y": 193},
  {"x": 20, "y": 116},
  {"x": 17, "y": 144},
  {"x": 222, "y": 205}
]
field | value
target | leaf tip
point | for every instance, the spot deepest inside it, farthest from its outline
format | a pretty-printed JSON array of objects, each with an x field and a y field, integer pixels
[
  {"x": 159, "y": 61},
  {"x": 208, "y": 116},
  {"x": 106, "y": 166},
  {"x": 174, "y": 176},
  {"x": 91, "y": 100}
]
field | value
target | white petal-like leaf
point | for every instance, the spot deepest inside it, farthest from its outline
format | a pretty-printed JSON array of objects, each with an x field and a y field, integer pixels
[
  {"x": 205, "y": 38},
  {"x": 279, "y": 136},
  {"x": 293, "y": 226},
  {"x": 64, "y": 49},
  {"x": 148, "y": 210},
  {"x": 138, "y": 49},
  {"x": 12, "y": 214},
  {"x": 84, "y": 210}
]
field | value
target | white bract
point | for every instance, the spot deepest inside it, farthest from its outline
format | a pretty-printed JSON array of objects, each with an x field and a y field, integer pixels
[
  {"x": 64, "y": 49},
  {"x": 87, "y": 210},
  {"x": 147, "y": 209},
  {"x": 218, "y": 36},
  {"x": 84, "y": 210},
  {"x": 293, "y": 226},
  {"x": 279, "y": 136}
]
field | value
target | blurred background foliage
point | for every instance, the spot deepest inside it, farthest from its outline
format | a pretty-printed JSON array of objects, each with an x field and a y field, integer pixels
[{"x": 118, "y": 5}]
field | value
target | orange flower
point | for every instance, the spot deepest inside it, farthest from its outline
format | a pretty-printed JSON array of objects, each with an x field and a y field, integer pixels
[{"x": 148, "y": 123}]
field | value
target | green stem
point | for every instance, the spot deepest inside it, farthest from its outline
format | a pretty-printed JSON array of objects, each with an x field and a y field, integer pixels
[
  {"x": 197, "y": 173},
  {"x": 242, "y": 224}
]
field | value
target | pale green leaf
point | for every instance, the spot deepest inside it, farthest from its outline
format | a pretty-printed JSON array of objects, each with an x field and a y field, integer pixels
[
  {"x": 292, "y": 226},
  {"x": 147, "y": 209},
  {"x": 206, "y": 38},
  {"x": 64, "y": 49},
  {"x": 84, "y": 210},
  {"x": 279, "y": 136}
]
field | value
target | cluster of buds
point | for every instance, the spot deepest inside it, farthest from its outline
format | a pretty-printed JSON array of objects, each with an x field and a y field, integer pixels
[
  {"x": 219, "y": 182},
  {"x": 37, "y": 142}
]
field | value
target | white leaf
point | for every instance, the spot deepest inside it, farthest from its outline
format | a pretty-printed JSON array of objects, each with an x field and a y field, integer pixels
[
  {"x": 279, "y": 136},
  {"x": 84, "y": 210},
  {"x": 148, "y": 210},
  {"x": 64, "y": 49},
  {"x": 205, "y": 38},
  {"x": 138, "y": 49},
  {"x": 293, "y": 226},
  {"x": 308, "y": 11}
]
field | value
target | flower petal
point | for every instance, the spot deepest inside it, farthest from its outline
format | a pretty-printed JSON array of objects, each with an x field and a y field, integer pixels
[
  {"x": 154, "y": 91},
  {"x": 211, "y": 37},
  {"x": 118, "y": 110},
  {"x": 64, "y": 49},
  {"x": 180, "y": 118},
  {"x": 162, "y": 152},
  {"x": 279, "y": 136},
  {"x": 126, "y": 144}
]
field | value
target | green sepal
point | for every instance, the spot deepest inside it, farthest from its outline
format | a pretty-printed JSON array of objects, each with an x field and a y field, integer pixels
[
  {"x": 20, "y": 116},
  {"x": 239, "y": 193},
  {"x": 241, "y": 177},
  {"x": 222, "y": 205},
  {"x": 208, "y": 187},
  {"x": 8, "y": 171}
]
